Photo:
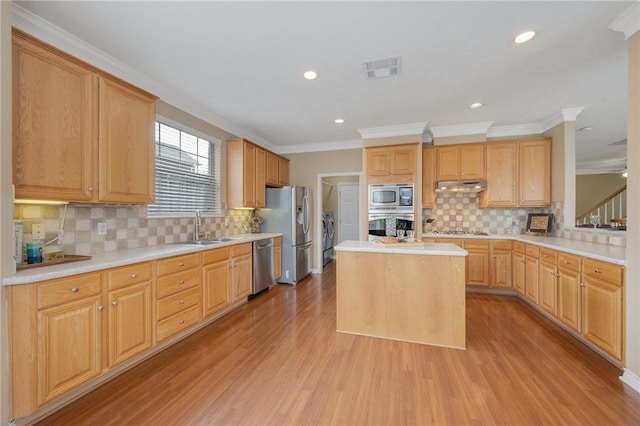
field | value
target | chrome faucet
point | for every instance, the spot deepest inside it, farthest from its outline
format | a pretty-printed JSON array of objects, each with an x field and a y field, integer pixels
[{"x": 197, "y": 222}]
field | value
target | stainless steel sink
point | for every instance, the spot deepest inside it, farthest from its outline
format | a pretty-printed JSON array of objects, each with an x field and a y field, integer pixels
[{"x": 214, "y": 241}]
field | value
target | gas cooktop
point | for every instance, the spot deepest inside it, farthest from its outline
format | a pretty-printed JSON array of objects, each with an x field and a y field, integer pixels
[{"x": 461, "y": 232}]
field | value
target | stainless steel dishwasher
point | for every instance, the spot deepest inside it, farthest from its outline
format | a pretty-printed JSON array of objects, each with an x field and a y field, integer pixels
[{"x": 262, "y": 264}]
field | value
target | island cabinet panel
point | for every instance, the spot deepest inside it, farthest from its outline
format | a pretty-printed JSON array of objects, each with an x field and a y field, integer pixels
[{"x": 391, "y": 296}]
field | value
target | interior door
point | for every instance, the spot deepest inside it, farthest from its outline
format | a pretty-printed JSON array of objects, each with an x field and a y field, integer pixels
[{"x": 348, "y": 207}]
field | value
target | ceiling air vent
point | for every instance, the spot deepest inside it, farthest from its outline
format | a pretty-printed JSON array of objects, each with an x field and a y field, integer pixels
[{"x": 387, "y": 67}]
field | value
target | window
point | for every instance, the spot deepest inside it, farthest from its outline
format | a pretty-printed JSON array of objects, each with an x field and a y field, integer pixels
[{"x": 187, "y": 173}]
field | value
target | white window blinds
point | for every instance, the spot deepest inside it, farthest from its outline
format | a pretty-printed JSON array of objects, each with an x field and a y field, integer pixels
[{"x": 187, "y": 174}]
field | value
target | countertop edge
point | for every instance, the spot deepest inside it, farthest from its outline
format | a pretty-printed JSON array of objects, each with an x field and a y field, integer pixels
[
  {"x": 119, "y": 258},
  {"x": 428, "y": 249}
]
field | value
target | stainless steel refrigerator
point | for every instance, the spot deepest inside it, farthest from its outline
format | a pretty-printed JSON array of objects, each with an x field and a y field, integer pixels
[{"x": 289, "y": 212}]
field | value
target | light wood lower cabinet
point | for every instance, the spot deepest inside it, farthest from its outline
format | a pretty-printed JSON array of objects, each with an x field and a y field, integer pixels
[
  {"x": 569, "y": 291},
  {"x": 129, "y": 307},
  {"x": 477, "y": 262},
  {"x": 216, "y": 273},
  {"x": 548, "y": 281},
  {"x": 501, "y": 265},
  {"x": 241, "y": 271},
  {"x": 519, "y": 262},
  {"x": 277, "y": 258},
  {"x": 531, "y": 267},
  {"x": 603, "y": 311},
  {"x": 178, "y": 294}
]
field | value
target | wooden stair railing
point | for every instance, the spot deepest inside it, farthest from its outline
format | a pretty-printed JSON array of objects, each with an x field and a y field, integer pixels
[{"x": 613, "y": 207}]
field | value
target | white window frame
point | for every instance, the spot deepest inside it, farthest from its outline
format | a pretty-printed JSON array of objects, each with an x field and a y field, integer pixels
[{"x": 216, "y": 167}]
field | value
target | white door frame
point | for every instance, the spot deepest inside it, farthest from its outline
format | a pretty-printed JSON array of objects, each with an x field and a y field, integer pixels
[{"x": 318, "y": 207}]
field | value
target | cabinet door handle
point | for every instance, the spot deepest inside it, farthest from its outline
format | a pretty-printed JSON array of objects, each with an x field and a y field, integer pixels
[
  {"x": 75, "y": 290},
  {"x": 100, "y": 307},
  {"x": 182, "y": 302},
  {"x": 582, "y": 284},
  {"x": 114, "y": 303},
  {"x": 566, "y": 262},
  {"x": 181, "y": 282},
  {"x": 557, "y": 275},
  {"x": 597, "y": 271},
  {"x": 181, "y": 263},
  {"x": 90, "y": 189},
  {"x": 181, "y": 322},
  {"x": 134, "y": 275}
]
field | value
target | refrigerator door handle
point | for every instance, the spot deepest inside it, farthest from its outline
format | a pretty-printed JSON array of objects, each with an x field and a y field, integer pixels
[{"x": 305, "y": 207}]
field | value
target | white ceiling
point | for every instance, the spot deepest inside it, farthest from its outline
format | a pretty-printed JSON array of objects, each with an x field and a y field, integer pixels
[{"x": 239, "y": 65}]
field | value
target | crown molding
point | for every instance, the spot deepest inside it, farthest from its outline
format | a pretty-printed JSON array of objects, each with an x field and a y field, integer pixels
[
  {"x": 629, "y": 22},
  {"x": 44, "y": 30},
  {"x": 514, "y": 130},
  {"x": 390, "y": 131},
  {"x": 318, "y": 147},
  {"x": 461, "y": 129}
]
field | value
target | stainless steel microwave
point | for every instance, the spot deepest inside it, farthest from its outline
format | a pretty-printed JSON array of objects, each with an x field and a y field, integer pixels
[{"x": 391, "y": 198}]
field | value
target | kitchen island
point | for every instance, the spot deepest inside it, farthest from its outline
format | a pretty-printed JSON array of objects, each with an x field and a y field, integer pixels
[{"x": 406, "y": 291}]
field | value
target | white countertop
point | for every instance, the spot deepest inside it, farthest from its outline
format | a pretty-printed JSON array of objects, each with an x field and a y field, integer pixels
[
  {"x": 432, "y": 249},
  {"x": 604, "y": 252},
  {"x": 122, "y": 258}
]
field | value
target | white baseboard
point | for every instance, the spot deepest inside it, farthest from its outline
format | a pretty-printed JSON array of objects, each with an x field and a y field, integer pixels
[{"x": 631, "y": 379}]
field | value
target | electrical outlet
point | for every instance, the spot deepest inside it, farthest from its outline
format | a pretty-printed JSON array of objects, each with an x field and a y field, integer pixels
[
  {"x": 102, "y": 228},
  {"x": 37, "y": 231},
  {"x": 509, "y": 220},
  {"x": 207, "y": 235}
]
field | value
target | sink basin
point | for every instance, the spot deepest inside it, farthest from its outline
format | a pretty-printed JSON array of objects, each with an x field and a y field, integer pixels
[{"x": 214, "y": 241}]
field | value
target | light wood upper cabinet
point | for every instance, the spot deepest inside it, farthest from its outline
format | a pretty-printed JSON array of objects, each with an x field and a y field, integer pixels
[
  {"x": 392, "y": 164},
  {"x": 54, "y": 147},
  {"x": 271, "y": 174},
  {"x": 78, "y": 133},
  {"x": 260, "y": 178},
  {"x": 126, "y": 147},
  {"x": 460, "y": 162},
  {"x": 535, "y": 173},
  {"x": 502, "y": 175},
  {"x": 518, "y": 174},
  {"x": 428, "y": 177},
  {"x": 283, "y": 171}
]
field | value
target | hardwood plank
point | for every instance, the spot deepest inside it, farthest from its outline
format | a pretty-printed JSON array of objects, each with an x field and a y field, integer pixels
[{"x": 278, "y": 360}]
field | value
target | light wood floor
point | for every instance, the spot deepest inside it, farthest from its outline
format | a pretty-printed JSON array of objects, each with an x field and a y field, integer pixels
[{"x": 278, "y": 361}]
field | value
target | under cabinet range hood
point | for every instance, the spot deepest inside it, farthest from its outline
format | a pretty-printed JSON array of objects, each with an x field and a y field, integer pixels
[{"x": 462, "y": 186}]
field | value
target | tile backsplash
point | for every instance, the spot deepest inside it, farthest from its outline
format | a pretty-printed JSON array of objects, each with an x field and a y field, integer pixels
[{"x": 126, "y": 226}]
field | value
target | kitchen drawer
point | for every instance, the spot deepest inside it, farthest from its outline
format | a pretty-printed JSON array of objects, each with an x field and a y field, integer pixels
[
  {"x": 518, "y": 247},
  {"x": 179, "y": 281},
  {"x": 170, "y": 326},
  {"x": 178, "y": 302},
  {"x": 603, "y": 270},
  {"x": 476, "y": 244},
  {"x": 532, "y": 251},
  {"x": 569, "y": 262},
  {"x": 548, "y": 256},
  {"x": 128, "y": 275},
  {"x": 65, "y": 290},
  {"x": 241, "y": 249},
  {"x": 501, "y": 245},
  {"x": 216, "y": 255},
  {"x": 178, "y": 263}
]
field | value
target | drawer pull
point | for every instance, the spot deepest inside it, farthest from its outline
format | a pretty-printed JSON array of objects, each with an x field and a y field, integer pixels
[
  {"x": 75, "y": 290},
  {"x": 181, "y": 322},
  {"x": 545, "y": 255},
  {"x": 134, "y": 275},
  {"x": 114, "y": 303},
  {"x": 581, "y": 284},
  {"x": 100, "y": 307},
  {"x": 566, "y": 262},
  {"x": 181, "y": 282},
  {"x": 597, "y": 271},
  {"x": 557, "y": 275},
  {"x": 181, "y": 263},
  {"x": 182, "y": 302}
]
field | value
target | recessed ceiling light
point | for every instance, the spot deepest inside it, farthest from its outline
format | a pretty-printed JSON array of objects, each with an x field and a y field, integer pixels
[
  {"x": 310, "y": 75},
  {"x": 585, "y": 129},
  {"x": 524, "y": 37},
  {"x": 339, "y": 120},
  {"x": 476, "y": 105}
]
